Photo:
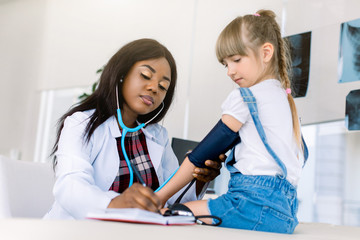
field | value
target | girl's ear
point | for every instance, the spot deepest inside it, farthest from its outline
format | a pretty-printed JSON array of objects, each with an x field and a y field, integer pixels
[{"x": 268, "y": 51}]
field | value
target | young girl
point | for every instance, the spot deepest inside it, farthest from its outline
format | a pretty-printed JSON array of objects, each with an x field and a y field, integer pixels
[
  {"x": 136, "y": 86},
  {"x": 265, "y": 166}
]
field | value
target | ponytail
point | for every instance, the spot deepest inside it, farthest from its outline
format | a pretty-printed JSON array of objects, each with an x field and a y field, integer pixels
[
  {"x": 283, "y": 67},
  {"x": 249, "y": 33}
]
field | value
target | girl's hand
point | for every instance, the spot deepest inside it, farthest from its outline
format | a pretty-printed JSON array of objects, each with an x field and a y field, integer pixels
[
  {"x": 211, "y": 172},
  {"x": 137, "y": 196}
]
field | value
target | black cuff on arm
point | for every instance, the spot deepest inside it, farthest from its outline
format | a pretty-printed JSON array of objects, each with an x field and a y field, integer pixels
[{"x": 219, "y": 140}]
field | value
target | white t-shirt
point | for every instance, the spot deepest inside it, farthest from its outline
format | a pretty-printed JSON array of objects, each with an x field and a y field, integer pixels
[{"x": 251, "y": 156}]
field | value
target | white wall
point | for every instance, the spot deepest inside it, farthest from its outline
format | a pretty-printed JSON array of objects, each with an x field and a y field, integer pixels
[
  {"x": 352, "y": 179},
  {"x": 47, "y": 44},
  {"x": 352, "y": 176},
  {"x": 59, "y": 44},
  {"x": 21, "y": 38}
]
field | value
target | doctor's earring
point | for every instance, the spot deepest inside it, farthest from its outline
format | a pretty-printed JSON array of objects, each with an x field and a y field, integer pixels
[{"x": 121, "y": 80}]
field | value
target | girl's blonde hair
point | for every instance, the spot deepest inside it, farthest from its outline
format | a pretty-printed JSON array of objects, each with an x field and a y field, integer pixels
[{"x": 249, "y": 33}]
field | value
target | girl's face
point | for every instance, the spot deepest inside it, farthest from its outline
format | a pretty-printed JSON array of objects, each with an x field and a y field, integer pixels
[
  {"x": 145, "y": 86},
  {"x": 245, "y": 71}
]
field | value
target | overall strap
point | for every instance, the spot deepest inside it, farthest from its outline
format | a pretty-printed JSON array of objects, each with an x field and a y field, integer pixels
[{"x": 251, "y": 102}]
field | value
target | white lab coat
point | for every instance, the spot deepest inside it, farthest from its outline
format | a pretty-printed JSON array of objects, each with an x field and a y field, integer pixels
[{"x": 85, "y": 171}]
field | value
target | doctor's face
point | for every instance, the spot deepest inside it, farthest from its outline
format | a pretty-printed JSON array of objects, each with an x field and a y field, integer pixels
[{"x": 145, "y": 86}]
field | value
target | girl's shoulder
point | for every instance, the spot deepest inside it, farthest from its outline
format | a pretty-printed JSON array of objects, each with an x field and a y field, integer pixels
[
  {"x": 269, "y": 85},
  {"x": 266, "y": 87},
  {"x": 268, "y": 91},
  {"x": 234, "y": 95}
]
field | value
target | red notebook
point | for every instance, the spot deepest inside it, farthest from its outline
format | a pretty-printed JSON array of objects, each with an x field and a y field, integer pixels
[{"x": 135, "y": 215}]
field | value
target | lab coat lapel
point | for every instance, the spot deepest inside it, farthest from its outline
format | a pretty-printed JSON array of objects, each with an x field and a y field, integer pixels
[
  {"x": 155, "y": 149},
  {"x": 114, "y": 128}
]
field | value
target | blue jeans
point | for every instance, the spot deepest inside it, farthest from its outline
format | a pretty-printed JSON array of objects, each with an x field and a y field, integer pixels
[{"x": 261, "y": 203}]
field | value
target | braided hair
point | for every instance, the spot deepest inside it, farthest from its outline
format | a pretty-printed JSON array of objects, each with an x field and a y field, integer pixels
[{"x": 249, "y": 33}]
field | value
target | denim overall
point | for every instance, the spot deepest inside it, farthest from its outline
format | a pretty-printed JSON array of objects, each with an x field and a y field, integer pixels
[{"x": 260, "y": 203}]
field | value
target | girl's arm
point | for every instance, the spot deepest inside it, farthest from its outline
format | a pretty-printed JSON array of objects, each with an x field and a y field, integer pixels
[
  {"x": 185, "y": 173},
  {"x": 231, "y": 122},
  {"x": 182, "y": 177}
]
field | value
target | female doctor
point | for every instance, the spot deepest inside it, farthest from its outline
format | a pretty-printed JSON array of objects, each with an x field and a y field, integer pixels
[{"x": 90, "y": 163}]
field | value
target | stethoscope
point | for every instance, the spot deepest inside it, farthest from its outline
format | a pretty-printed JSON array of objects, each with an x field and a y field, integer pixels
[
  {"x": 126, "y": 129},
  {"x": 133, "y": 169}
]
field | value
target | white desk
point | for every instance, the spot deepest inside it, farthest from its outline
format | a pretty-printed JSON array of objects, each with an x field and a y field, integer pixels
[{"x": 37, "y": 229}]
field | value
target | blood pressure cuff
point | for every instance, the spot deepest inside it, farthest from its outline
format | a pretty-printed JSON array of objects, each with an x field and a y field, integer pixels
[{"x": 219, "y": 140}]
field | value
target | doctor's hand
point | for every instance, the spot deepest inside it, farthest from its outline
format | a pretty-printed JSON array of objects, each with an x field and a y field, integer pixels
[
  {"x": 211, "y": 171},
  {"x": 137, "y": 196}
]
